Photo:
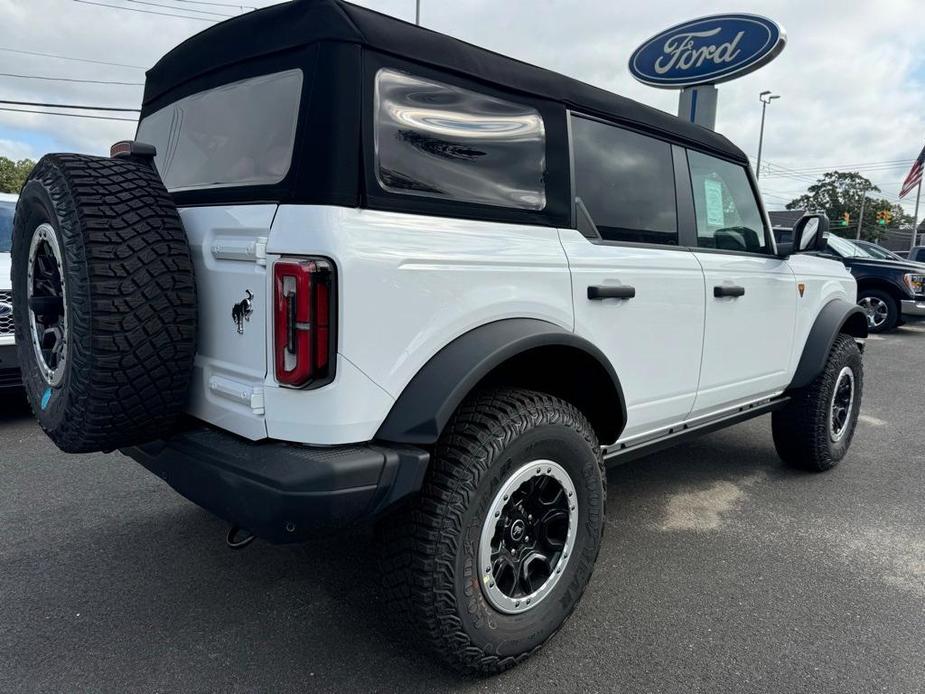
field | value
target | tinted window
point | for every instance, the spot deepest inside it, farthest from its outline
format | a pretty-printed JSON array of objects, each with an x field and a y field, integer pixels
[
  {"x": 626, "y": 181},
  {"x": 847, "y": 249},
  {"x": 442, "y": 141},
  {"x": 728, "y": 216},
  {"x": 236, "y": 135},
  {"x": 878, "y": 252},
  {"x": 6, "y": 225}
]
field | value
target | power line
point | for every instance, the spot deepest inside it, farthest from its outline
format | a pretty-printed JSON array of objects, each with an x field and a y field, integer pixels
[
  {"x": 68, "y": 115},
  {"x": 784, "y": 172},
  {"x": 70, "y": 79},
  {"x": 83, "y": 108},
  {"x": 174, "y": 7},
  {"x": 64, "y": 57},
  {"x": 862, "y": 165},
  {"x": 217, "y": 4},
  {"x": 132, "y": 9}
]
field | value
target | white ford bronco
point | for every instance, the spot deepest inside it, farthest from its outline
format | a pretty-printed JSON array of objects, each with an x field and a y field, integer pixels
[{"x": 352, "y": 269}]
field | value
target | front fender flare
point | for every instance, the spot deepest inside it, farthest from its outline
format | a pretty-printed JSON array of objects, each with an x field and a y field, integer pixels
[
  {"x": 837, "y": 316},
  {"x": 432, "y": 396}
]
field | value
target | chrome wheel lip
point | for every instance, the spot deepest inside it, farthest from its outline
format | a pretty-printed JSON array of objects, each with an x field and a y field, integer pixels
[
  {"x": 493, "y": 594},
  {"x": 836, "y": 432},
  {"x": 876, "y": 311},
  {"x": 45, "y": 234}
]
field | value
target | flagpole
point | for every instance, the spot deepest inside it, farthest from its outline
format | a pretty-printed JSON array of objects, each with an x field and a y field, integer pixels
[{"x": 915, "y": 217}]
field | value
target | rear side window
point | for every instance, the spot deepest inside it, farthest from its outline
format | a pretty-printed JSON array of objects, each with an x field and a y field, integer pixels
[
  {"x": 239, "y": 134},
  {"x": 728, "y": 217},
  {"x": 626, "y": 182},
  {"x": 442, "y": 141}
]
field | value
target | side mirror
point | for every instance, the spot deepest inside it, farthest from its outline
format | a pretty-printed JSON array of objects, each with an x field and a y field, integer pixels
[{"x": 810, "y": 233}]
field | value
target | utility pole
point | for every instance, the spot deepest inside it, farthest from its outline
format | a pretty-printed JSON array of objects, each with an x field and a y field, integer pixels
[
  {"x": 765, "y": 98},
  {"x": 417, "y": 12},
  {"x": 915, "y": 217},
  {"x": 861, "y": 216}
]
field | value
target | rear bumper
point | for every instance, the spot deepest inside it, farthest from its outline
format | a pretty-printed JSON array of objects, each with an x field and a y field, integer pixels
[
  {"x": 279, "y": 491},
  {"x": 10, "y": 377},
  {"x": 913, "y": 307}
]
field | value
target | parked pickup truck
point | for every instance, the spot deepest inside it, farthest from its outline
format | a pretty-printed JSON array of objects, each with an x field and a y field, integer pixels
[
  {"x": 354, "y": 270},
  {"x": 9, "y": 361}
]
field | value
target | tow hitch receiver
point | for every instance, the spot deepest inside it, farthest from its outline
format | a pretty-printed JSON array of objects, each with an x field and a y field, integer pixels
[{"x": 239, "y": 538}]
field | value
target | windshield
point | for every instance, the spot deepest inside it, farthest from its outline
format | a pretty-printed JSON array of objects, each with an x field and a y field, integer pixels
[
  {"x": 6, "y": 225},
  {"x": 847, "y": 249},
  {"x": 879, "y": 252},
  {"x": 238, "y": 134}
]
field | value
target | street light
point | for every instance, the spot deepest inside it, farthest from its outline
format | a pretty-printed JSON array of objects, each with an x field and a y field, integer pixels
[
  {"x": 417, "y": 12},
  {"x": 765, "y": 98}
]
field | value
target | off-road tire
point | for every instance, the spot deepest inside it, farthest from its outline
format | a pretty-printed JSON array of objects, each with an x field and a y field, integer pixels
[
  {"x": 130, "y": 301},
  {"x": 892, "y": 307},
  {"x": 430, "y": 550},
  {"x": 801, "y": 429}
]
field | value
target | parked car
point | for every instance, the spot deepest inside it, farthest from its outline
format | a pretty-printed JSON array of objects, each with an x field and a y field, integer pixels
[
  {"x": 424, "y": 284},
  {"x": 888, "y": 290},
  {"x": 916, "y": 254},
  {"x": 9, "y": 363}
]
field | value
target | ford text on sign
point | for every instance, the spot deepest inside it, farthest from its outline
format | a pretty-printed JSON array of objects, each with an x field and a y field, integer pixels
[{"x": 708, "y": 50}]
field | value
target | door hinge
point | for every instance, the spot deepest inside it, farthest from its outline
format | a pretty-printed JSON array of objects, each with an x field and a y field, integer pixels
[
  {"x": 254, "y": 249},
  {"x": 260, "y": 250},
  {"x": 251, "y": 396}
]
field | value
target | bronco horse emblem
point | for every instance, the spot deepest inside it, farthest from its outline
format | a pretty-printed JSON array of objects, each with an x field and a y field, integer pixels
[{"x": 242, "y": 311}]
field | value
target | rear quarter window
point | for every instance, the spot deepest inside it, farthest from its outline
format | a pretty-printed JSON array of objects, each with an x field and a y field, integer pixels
[
  {"x": 438, "y": 140},
  {"x": 239, "y": 134}
]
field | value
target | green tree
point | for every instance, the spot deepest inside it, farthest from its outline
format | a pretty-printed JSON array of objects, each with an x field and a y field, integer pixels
[
  {"x": 838, "y": 192},
  {"x": 13, "y": 174}
]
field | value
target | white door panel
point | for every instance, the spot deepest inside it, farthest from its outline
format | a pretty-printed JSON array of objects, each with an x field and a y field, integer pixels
[
  {"x": 654, "y": 339},
  {"x": 748, "y": 339},
  {"x": 230, "y": 367}
]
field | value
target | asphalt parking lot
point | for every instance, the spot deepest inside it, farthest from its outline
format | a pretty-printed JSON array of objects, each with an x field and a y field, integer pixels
[{"x": 721, "y": 571}]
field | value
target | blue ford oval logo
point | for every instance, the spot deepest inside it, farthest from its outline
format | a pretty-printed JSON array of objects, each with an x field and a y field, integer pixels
[
  {"x": 6, "y": 309},
  {"x": 707, "y": 51}
]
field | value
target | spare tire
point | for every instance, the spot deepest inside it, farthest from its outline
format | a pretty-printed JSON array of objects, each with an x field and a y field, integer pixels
[{"x": 104, "y": 301}]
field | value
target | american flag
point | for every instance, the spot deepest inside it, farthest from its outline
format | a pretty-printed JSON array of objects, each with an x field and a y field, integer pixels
[{"x": 914, "y": 177}]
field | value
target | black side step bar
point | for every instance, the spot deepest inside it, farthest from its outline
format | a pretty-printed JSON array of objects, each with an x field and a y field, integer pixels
[{"x": 622, "y": 453}]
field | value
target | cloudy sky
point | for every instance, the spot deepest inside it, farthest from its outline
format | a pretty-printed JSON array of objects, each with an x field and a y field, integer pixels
[{"x": 851, "y": 80}]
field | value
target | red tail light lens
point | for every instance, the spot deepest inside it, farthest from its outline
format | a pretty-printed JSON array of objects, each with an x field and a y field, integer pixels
[{"x": 303, "y": 296}]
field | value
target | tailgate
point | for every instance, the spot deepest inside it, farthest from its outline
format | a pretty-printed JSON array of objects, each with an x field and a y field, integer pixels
[{"x": 227, "y": 244}]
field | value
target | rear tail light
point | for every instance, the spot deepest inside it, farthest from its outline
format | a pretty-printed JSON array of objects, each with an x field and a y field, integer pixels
[{"x": 303, "y": 297}]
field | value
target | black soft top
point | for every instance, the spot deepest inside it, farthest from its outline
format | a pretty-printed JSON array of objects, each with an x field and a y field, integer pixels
[{"x": 299, "y": 23}]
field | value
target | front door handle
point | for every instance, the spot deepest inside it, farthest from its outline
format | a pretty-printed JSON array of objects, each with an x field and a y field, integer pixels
[
  {"x": 621, "y": 291},
  {"x": 728, "y": 290}
]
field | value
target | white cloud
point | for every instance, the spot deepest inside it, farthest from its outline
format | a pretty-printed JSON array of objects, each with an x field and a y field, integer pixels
[
  {"x": 852, "y": 78},
  {"x": 12, "y": 149}
]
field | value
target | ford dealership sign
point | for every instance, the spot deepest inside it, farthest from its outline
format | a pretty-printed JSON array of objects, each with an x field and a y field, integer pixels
[{"x": 708, "y": 50}]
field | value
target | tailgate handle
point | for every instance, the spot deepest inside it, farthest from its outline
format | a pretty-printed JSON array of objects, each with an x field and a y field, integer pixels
[
  {"x": 728, "y": 290},
  {"x": 622, "y": 291}
]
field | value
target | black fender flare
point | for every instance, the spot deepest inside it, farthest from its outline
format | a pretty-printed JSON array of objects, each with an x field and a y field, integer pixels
[
  {"x": 426, "y": 404},
  {"x": 837, "y": 316}
]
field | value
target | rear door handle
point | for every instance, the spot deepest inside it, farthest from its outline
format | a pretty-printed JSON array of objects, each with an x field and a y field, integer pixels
[
  {"x": 611, "y": 292},
  {"x": 728, "y": 290}
]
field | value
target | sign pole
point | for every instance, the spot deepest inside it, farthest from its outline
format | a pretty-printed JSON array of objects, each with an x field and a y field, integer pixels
[
  {"x": 764, "y": 108},
  {"x": 698, "y": 105},
  {"x": 915, "y": 217},
  {"x": 861, "y": 217}
]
